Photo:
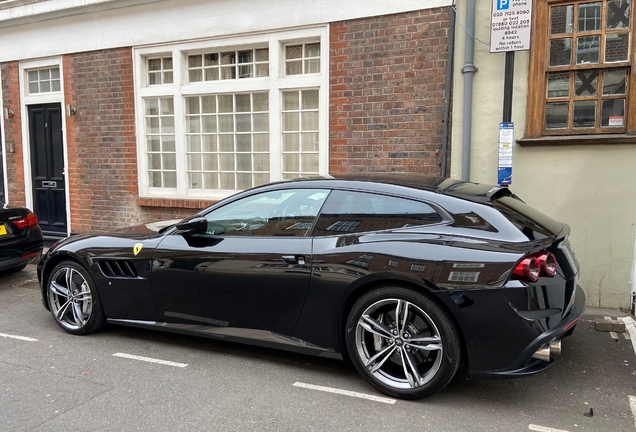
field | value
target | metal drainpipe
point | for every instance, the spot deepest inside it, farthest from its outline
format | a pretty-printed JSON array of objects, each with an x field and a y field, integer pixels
[
  {"x": 468, "y": 70},
  {"x": 449, "y": 89}
]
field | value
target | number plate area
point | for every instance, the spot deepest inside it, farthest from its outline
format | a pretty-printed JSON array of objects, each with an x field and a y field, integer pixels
[{"x": 3, "y": 230}]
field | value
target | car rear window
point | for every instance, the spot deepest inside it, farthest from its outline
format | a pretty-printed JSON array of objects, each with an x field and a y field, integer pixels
[
  {"x": 351, "y": 212},
  {"x": 528, "y": 220}
]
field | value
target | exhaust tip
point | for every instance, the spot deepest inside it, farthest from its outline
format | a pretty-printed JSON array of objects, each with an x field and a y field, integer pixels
[
  {"x": 542, "y": 353},
  {"x": 555, "y": 346}
]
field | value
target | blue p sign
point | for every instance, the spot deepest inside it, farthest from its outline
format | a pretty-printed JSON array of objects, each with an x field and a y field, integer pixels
[{"x": 503, "y": 4}]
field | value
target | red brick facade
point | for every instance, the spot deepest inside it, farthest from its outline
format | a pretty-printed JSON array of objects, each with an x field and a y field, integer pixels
[{"x": 387, "y": 81}]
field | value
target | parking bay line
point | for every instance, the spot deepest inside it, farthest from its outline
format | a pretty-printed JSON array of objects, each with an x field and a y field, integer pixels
[
  {"x": 632, "y": 405},
  {"x": 23, "y": 338},
  {"x": 150, "y": 360},
  {"x": 345, "y": 393},
  {"x": 537, "y": 428}
]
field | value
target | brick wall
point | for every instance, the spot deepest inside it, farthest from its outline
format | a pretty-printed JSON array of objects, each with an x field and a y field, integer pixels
[
  {"x": 387, "y": 83},
  {"x": 13, "y": 133}
]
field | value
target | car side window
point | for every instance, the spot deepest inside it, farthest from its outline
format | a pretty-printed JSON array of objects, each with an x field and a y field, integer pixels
[
  {"x": 351, "y": 212},
  {"x": 289, "y": 212}
]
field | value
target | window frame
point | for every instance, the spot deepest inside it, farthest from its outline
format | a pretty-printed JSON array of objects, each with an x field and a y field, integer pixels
[
  {"x": 535, "y": 132},
  {"x": 181, "y": 88}
]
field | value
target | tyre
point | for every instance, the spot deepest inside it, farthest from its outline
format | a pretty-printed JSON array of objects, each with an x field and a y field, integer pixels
[
  {"x": 73, "y": 299},
  {"x": 402, "y": 342}
]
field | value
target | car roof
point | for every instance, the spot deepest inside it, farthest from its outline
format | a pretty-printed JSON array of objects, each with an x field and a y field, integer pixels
[{"x": 386, "y": 182}]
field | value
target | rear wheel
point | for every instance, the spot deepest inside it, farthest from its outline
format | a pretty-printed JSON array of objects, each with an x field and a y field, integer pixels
[
  {"x": 402, "y": 342},
  {"x": 73, "y": 299}
]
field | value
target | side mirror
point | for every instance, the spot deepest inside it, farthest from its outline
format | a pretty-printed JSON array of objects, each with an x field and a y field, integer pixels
[{"x": 192, "y": 226}]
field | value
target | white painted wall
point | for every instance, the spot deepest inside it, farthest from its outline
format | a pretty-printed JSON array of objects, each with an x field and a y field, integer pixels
[
  {"x": 591, "y": 188},
  {"x": 65, "y": 26}
]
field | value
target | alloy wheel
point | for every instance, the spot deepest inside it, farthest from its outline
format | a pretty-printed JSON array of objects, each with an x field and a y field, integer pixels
[{"x": 70, "y": 298}]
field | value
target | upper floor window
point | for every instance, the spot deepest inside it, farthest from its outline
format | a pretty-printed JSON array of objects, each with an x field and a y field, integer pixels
[
  {"x": 160, "y": 71},
  {"x": 302, "y": 58},
  {"x": 581, "y": 69},
  {"x": 225, "y": 65},
  {"x": 45, "y": 80}
]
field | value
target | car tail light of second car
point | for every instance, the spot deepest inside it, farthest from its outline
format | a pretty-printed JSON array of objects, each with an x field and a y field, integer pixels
[
  {"x": 535, "y": 265},
  {"x": 27, "y": 221}
]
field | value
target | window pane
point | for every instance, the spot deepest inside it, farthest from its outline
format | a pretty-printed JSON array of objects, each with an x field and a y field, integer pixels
[
  {"x": 154, "y": 178},
  {"x": 167, "y": 106},
  {"x": 209, "y": 123},
  {"x": 294, "y": 68},
  {"x": 45, "y": 86},
  {"x": 558, "y": 84},
  {"x": 194, "y": 161},
  {"x": 211, "y": 74},
  {"x": 243, "y": 103},
  {"x": 310, "y": 141},
  {"x": 167, "y": 125},
  {"x": 613, "y": 113},
  {"x": 246, "y": 56},
  {"x": 261, "y": 122},
  {"x": 243, "y": 181},
  {"x": 556, "y": 115},
  {"x": 584, "y": 114},
  {"x": 167, "y": 143},
  {"x": 55, "y": 73},
  {"x": 588, "y": 49},
  {"x": 227, "y": 181},
  {"x": 154, "y": 64},
  {"x": 560, "y": 52},
  {"x": 309, "y": 163},
  {"x": 152, "y": 106},
  {"x": 55, "y": 85},
  {"x": 226, "y": 123},
  {"x": 291, "y": 162},
  {"x": 291, "y": 122},
  {"x": 170, "y": 179},
  {"x": 154, "y": 161},
  {"x": 226, "y": 104},
  {"x": 310, "y": 99},
  {"x": 290, "y": 101},
  {"x": 194, "y": 61},
  {"x": 310, "y": 121},
  {"x": 261, "y": 101},
  {"x": 261, "y": 162},
  {"x": 618, "y": 13},
  {"x": 167, "y": 77},
  {"x": 209, "y": 143},
  {"x": 228, "y": 58},
  {"x": 616, "y": 47},
  {"x": 211, "y": 59},
  {"x": 312, "y": 50},
  {"x": 312, "y": 66},
  {"x": 260, "y": 179},
  {"x": 262, "y": 54},
  {"x": 192, "y": 105},
  {"x": 291, "y": 142},
  {"x": 193, "y": 125},
  {"x": 152, "y": 125},
  {"x": 227, "y": 162},
  {"x": 167, "y": 63},
  {"x": 33, "y": 87},
  {"x": 590, "y": 16},
  {"x": 169, "y": 161},
  {"x": 193, "y": 143},
  {"x": 44, "y": 74},
  {"x": 33, "y": 76},
  {"x": 194, "y": 181},
  {"x": 226, "y": 143},
  {"x": 244, "y": 162},
  {"x": 195, "y": 75},
  {"x": 293, "y": 51},
  {"x": 261, "y": 142},
  {"x": 210, "y": 162},
  {"x": 153, "y": 143},
  {"x": 586, "y": 83},
  {"x": 614, "y": 81},
  {"x": 208, "y": 104},
  {"x": 211, "y": 180},
  {"x": 243, "y": 143}
]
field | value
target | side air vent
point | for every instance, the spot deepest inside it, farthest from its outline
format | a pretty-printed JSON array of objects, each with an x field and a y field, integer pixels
[{"x": 118, "y": 268}]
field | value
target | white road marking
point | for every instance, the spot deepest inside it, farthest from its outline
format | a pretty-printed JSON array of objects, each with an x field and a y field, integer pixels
[
  {"x": 345, "y": 392},
  {"x": 632, "y": 404},
  {"x": 630, "y": 327},
  {"x": 150, "y": 360},
  {"x": 608, "y": 318},
  {"x": 24, "y": 338},
  {"x": 614, "y": 335},
  {"x": 544, "y": 429}
]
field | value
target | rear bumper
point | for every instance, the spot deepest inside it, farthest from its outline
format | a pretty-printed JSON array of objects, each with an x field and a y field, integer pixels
[{"x": 525, "y": 364}]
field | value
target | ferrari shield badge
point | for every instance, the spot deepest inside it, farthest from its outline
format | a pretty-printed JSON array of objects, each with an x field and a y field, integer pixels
[{"x": 137, "y": 248}]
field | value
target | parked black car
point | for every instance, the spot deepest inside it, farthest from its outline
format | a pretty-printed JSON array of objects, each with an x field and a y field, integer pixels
[
  {"x": 20, "y": 238},
  {"x": 407, "y": 279}
]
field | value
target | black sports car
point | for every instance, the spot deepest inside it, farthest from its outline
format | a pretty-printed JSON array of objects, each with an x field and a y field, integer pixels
[
  {"x": 406, "y": 279},
  {"x": 20, "y": 238}
]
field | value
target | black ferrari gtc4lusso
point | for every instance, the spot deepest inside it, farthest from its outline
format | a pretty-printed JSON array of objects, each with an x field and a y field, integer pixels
[{"x": 404, "y": 278}]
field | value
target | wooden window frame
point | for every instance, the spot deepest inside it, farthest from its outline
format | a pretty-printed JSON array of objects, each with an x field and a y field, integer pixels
[{"x": 535, "y": 133}]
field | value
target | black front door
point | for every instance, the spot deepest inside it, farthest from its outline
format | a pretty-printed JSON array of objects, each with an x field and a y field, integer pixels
[{"x": 47, "y": 168}]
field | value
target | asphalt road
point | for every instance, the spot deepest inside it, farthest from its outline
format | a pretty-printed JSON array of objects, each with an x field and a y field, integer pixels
[{"x": 52, "y": 381}]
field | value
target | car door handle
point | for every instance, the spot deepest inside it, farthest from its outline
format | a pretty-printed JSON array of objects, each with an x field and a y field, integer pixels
[{"x": 294, "y": 259}]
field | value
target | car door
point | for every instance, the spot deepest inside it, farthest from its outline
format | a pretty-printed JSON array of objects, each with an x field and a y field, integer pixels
[{"x": 249, "y": 269}]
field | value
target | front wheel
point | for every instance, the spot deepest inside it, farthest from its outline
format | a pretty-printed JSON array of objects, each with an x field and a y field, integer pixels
[
  {"x": 73, "y": 299},
  {"x": 402, "y": 342}
]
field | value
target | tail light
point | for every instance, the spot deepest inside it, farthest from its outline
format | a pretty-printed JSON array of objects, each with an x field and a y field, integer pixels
[
  {"x": 27, "y": 221},
  {"x": 534, "y": 265}
]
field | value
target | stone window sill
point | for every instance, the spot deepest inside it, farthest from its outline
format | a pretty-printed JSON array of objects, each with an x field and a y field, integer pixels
[
  {"x": 561, "y": 140},
  {"x": 174, "y": 203}
]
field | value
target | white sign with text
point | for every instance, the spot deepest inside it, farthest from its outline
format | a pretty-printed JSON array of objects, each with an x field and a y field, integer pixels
[{"x": 510, "y": 25}]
